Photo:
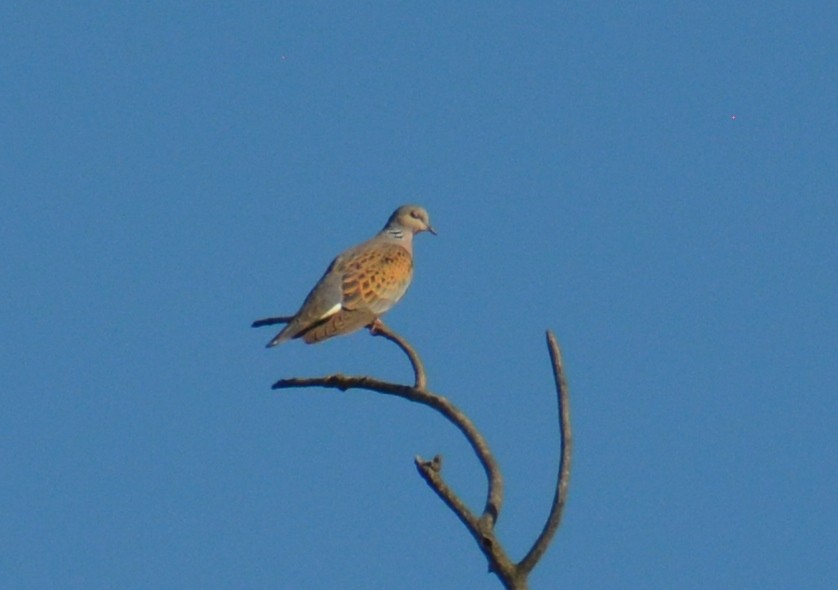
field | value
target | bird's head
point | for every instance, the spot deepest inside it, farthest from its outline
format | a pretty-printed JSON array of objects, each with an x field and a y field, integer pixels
[{"x": 413, "y": 218}]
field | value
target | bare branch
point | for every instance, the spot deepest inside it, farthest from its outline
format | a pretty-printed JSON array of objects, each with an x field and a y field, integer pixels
[
  {"x": 494, "y": 497},
  {"x": 421, "y": 379},
  {"x": 513, "y": 576},
  {"x": 430, "y": 472},
  {"x": 482, "y": 529},
  {"x": 529, "y": 561}
]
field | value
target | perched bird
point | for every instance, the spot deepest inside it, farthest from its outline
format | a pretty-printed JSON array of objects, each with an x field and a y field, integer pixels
[{"x": 362, "y": 283}]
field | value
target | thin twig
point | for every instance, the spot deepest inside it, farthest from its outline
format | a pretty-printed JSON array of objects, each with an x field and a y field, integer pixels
[
  {"x": 529, "y": 561},
  {"x": 284, "y": 319}
]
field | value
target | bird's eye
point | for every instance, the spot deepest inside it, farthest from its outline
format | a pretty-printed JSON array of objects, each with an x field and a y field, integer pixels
[{"x": 415, "y": 214}]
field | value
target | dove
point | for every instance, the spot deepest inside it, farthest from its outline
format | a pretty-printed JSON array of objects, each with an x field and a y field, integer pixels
[{"x": 362, "y": 283}]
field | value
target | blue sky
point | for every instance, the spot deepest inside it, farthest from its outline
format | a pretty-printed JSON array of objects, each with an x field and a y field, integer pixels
[{"x": 653, "y": 181}]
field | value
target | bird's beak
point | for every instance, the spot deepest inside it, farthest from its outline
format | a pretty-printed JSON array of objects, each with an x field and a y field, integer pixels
[{"x": 431, "y": 229}]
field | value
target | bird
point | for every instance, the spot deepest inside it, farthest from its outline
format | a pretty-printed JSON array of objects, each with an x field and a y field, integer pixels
[{"x": 362, "y": 283}]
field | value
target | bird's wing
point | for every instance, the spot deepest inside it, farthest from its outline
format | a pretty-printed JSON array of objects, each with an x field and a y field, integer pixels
[
  {"x": 375, "y": 277},
  {"x": 343, "y": 322}
]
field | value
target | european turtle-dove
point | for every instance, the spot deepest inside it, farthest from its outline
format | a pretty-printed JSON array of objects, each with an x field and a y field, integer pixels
[{"x": 362, "y": 283}]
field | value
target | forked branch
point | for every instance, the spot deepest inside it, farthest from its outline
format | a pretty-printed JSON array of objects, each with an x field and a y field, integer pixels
[{"x": 512, "y": 575}]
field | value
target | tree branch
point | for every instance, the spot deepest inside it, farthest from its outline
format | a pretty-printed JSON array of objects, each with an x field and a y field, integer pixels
[
  {"x": 566, "y": 445},
  {"x": 513, "y": 576},
  {"x": 430, "y": 472},
  {"x": 494, "y": 497},
  {"x": 482, "y": 529},
  {"x": 420, "y": 377}
]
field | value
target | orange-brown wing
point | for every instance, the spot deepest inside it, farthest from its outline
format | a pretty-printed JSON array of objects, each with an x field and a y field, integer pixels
[{"x": 376, "y": 277}]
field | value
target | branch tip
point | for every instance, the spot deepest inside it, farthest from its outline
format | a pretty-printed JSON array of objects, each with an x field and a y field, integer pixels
[{"x": 563, "y": 478}]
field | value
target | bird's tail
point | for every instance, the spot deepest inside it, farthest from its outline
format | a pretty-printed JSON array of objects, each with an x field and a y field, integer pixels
[
  {"x": 283, "y": 334},
  {"x": 279, "y": 338}
]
